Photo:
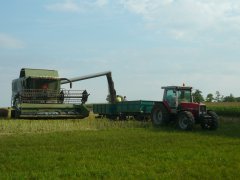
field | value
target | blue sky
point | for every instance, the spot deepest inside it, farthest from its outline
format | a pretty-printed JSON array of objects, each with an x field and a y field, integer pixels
[{"x": 145, "y": 43}]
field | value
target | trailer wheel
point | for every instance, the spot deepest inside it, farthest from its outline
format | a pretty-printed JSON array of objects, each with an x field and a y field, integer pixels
[
  {"x": 159, "y": 115},
  {"x": 112, "y": 117},
  {"x": 139, "y": 117},
  {"x": 122, "y": 117},
  {"x": 210, "y": 124},
  {"x": 186, "y": 120}
]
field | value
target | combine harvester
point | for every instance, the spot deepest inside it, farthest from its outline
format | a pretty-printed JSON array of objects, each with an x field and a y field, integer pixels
[{"x": 37, "y": 93}]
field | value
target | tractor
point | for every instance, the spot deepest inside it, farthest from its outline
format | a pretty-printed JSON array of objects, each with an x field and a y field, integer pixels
[{"x": 178, "y": 106}]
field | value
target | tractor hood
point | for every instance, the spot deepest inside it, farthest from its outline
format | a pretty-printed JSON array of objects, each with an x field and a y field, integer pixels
[{"x": 189, "y": 106}]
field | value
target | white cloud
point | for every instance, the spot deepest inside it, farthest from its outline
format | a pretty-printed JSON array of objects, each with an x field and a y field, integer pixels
[
  {"x": 187, "y": 17},
  {"x": 7, "y": 41},
  {"x": 66, "y": 6},
  {"x": 76, "y": 5},
  {"x": 101, "y": 3}
]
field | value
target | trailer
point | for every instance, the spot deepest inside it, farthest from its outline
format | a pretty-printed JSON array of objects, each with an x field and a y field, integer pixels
[{"x": 139, "y": 110}]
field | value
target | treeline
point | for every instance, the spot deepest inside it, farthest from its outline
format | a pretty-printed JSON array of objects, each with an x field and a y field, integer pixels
[{"x": 217, "y": 97}]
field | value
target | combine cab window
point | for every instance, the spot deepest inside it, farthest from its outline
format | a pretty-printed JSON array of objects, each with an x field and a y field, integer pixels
[{"x": 43, "y": 84}]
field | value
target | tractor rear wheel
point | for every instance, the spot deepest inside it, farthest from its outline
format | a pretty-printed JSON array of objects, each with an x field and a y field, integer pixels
[
  {"x": 186, "y": 120},
  {"x": 211, "y": 124},
  {"x": 159, "y": 115}
]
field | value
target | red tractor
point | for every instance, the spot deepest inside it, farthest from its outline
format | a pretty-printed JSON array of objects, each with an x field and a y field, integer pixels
[{"x": 178, "y": 105}]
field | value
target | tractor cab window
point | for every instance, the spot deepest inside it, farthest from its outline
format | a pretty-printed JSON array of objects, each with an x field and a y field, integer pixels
[
  {"x": 170, "y": 97},
  {"x": 184, "y": 96}
]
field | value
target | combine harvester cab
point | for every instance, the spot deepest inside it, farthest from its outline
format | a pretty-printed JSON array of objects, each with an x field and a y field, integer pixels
[{"x": 37, "y": 93}]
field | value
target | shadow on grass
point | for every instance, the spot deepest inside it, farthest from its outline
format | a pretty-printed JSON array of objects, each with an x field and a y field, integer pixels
[{"x": 228, "y": 127}]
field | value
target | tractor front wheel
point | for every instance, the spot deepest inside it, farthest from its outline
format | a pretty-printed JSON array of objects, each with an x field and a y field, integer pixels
[
  {"x": 211, "y": 124},
  {"x": 159, "y": 115},
  {"x": 186, "y": 120}
]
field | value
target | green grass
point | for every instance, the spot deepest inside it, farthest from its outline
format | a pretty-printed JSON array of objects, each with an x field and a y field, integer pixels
[{"x": 100, "y": 149}]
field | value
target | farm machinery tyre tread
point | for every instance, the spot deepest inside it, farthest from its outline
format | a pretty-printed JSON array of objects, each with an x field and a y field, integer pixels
[
  {"x": 212, "y": 124},
  {"x": 17, "y": 107},
  {"x": 159, "y": 115},
  {"x": 186, "y": 120}
]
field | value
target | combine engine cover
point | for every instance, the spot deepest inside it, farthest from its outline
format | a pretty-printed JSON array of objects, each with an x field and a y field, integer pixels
[{"x": 37, "y": 93}]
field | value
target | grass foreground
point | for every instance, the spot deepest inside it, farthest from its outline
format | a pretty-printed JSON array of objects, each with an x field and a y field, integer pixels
[{"x": 100, "y": 149}]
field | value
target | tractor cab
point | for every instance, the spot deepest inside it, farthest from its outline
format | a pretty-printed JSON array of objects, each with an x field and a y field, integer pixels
[
  {"x": 179, "y": 98},
  {"x": 175, "y": 95}
]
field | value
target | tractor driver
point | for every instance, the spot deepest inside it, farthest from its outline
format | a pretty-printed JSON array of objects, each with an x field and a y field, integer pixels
[
  {"x": 45, "y": 86},
  {"x": 44, "y": 93},
  {"x": 182, "y": 96}
]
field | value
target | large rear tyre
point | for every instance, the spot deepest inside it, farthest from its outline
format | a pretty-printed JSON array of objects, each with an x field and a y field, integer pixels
[
  {"x": 186, "y": 120},
  {"x": 159, "y": 115},
  {"x": 211, "y": 124}
]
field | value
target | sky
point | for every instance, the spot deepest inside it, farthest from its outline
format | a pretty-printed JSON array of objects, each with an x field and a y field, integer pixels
[{"x": 146, "y": 44}]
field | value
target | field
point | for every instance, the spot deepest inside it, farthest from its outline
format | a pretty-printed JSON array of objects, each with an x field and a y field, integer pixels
[
  {"x": 225, "y": 108},
  {"x": 102, "y": 149}
]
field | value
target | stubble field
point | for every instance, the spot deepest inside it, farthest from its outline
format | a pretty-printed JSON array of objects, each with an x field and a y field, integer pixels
[{"x": 103, "y": 149}]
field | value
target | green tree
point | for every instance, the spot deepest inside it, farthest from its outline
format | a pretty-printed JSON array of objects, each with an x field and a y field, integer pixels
[
  {"x": 218, "y": 97},
  {"x": 197, "y": 96},
  {"x": 229, "y": 98},
  {"x": 237, "y": 99},
  {"x": 209, "y": 97}
]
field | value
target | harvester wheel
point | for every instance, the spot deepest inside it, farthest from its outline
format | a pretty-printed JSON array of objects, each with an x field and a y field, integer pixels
[
  {"x": 159, "y": 115},
  {"x": 211, "y": 124},
  {"x": 17, "y": 109},
  {"x": 186, "y": 120}
]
